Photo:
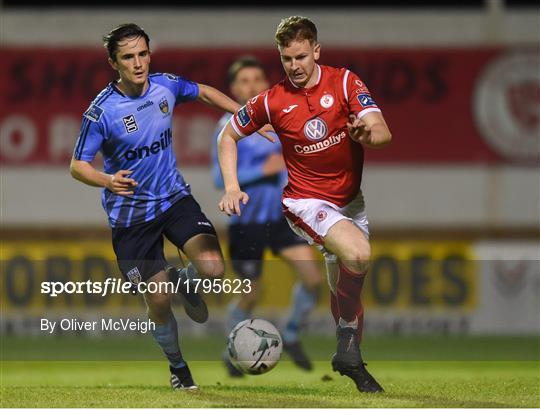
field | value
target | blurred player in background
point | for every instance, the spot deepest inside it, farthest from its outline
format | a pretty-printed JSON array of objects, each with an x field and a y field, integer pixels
[
  {"x": 144, "y": 195},
  {"x": 262, "y": 175},
  {"x": 324, "y": 117}
]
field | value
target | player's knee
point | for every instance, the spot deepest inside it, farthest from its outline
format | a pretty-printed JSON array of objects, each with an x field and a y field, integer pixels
[
  {"x": 357, "y": 258},
  {"x": 159, "y": 306},
  {"x": 363, "y": 266},
  {"x": 357, "y": 255},
  {"x": 211, "y": 265}
]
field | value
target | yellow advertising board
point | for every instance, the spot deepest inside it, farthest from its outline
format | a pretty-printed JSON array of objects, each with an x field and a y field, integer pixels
[{"x": 403, "y": 276}]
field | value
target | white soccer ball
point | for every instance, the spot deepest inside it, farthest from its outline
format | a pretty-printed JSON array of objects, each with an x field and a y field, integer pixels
[{"x": 254, "y": 346}]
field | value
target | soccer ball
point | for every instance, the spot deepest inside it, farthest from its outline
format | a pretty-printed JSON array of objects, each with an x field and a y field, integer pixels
[{"x": 254, "y": 346}]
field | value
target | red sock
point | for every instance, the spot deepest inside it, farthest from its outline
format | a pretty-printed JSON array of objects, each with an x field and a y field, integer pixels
[
  {"x": 349, "y": 287},
  {"x": 334, "y": 307},
  {"x": 359, "y": 314}
]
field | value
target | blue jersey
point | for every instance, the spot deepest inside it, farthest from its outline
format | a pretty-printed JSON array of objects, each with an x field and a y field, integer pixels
[
  {"x": 136, "y": 134},
  {"x": 264, "y": 191}
]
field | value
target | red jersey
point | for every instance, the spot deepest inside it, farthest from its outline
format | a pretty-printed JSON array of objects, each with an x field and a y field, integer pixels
[{"x": 322, "y": 161}]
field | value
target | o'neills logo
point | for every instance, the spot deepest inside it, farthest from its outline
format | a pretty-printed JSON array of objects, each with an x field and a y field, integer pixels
[{"x": 321, "y": 145}]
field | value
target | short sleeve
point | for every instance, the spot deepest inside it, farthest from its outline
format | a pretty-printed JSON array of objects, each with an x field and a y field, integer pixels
[
  {"x": 357, "y": 95},
  {"x": 91, "y": 135},
  {"x": 251, "y": 116},
  {"x": 183, "y": 89}
]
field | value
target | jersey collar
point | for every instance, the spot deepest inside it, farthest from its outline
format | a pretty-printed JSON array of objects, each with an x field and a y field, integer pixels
[{"x": 114, "y": 85}]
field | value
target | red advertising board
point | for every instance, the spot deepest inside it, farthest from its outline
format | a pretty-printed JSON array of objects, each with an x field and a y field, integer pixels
[{"x": 470, "y": 105}]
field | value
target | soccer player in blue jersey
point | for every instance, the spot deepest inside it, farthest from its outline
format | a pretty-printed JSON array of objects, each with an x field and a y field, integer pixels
[
  {"x": 262, "y": 175},
  {"x": 144, "y": 195}
]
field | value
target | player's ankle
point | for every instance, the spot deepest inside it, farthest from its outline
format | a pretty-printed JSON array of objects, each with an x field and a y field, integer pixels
[{"x": 345, "y": 323}]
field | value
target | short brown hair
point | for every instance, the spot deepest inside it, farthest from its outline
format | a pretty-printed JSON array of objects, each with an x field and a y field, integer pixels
[
  {"x": 295, "y": 28},
  {"x": 241, "y": 63},
  {"x": 111, "y": 39}
]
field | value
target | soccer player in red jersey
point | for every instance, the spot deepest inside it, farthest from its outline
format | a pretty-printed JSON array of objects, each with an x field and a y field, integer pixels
[{"x": 324, "y": 117}]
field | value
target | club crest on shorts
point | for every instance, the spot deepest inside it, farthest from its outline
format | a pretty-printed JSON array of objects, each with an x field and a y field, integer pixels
[
  {"x": 164, "y": 105},
  {"x": 327, "y": 101},
  {"x": 134, "y": 275},
  {"x": 315, "y": 129},
  {"x": 321, "y": 215}
]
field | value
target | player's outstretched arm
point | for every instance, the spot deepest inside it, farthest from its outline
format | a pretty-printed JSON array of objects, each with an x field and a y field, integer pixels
[
  {"x": 118, "y": 183},
  {"x": 216, "y": 98},
  {"x": 370, "y": 130},
  {"x": 228, "y": 157}
]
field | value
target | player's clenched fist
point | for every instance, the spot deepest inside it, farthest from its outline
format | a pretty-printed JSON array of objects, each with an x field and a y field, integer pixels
[
  {"x": 120, "y": 184},
  {"x": 230, "y": 203}
]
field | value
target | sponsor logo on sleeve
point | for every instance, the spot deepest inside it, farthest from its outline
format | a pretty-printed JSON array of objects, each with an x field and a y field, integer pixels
[
  {"x": 171, "y": 77},
  {"x": 362, "y": 89},
  {"x": 365, "y": 100},
  {"x": 243, "y": 116},
  {"x": 130, "y": 124},
  {"x": 93, "y": 113}
]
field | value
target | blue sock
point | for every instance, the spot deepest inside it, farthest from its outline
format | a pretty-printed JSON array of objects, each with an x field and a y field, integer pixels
[
  {"x": 166, "y": 335},
  {"x": 236, "y": 315},
  {"x": 304, "y": 301}
]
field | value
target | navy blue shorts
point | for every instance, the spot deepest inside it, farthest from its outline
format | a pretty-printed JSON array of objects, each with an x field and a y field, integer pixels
[
  {"x": 248, "y": 242},
  {"x": 139, "y": 248}
]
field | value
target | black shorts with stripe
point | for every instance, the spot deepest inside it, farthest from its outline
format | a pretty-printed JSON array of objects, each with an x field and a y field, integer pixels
[
  {"x": 248, "y": 242},
  {"x": 139, "y": 248}
]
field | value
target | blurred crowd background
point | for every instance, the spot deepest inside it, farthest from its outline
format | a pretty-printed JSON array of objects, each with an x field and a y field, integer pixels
[{"x": 453, "y": 202}]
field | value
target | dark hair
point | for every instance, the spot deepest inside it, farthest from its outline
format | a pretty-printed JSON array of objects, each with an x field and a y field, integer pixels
[
  {"x": 241, "y": 63},
  {"x": 111, "y": 40},
  {"x": 295, "y": 28}
]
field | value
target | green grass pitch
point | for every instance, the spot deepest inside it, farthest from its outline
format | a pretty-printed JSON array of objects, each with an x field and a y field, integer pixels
[{"x": 415, "y": 380}]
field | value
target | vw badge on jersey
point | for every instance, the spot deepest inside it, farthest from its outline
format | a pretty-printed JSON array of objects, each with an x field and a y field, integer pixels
[{"x": 315, "y": 129}]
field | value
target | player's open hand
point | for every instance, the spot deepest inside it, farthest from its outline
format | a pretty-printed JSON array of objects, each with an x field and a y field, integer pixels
[
  {"x": 230, "y": 203},
  {"x": 120, "y": 184},
  {"x": 265, "y": 132},
  {"x": 358, "y": 129}
]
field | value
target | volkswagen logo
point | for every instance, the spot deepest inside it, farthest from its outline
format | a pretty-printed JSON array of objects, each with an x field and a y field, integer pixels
[{"x": 315, "y": 129}]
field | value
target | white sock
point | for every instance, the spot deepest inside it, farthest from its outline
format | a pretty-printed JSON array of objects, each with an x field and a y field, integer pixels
[{"x": 344, "y": 323}]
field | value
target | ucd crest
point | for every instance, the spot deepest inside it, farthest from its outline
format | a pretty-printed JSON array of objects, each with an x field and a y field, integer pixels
[
  {"x": 134, "y": 276},
  {"x": 164, "y": 105},
  {"x": 315, "y": 129}
]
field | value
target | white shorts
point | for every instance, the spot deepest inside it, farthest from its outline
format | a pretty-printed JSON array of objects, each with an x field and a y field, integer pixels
[{"x": 312, "y": 218}]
